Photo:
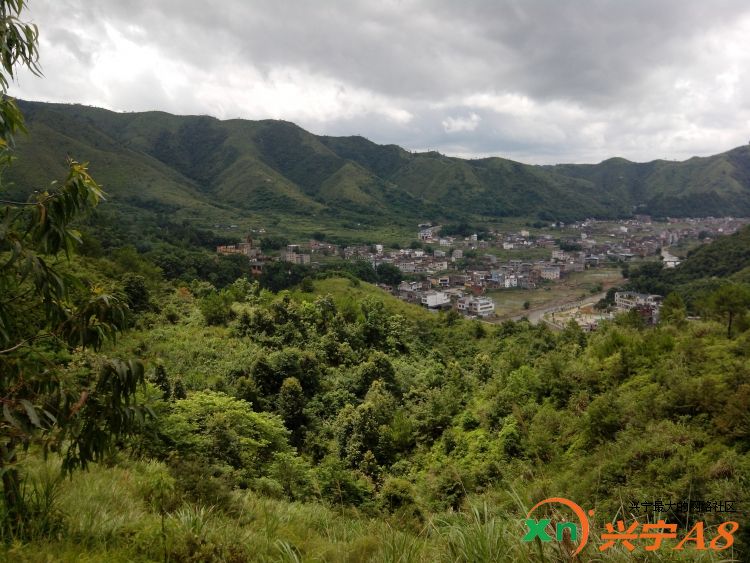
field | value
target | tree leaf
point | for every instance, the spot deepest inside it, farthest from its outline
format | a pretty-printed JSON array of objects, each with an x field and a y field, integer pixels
[
  {"x": 31, "y": 411},
  {"x": 9, "y": 417}
]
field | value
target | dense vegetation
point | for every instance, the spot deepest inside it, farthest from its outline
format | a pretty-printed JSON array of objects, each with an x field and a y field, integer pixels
[
  {"x": 270, "y": 173},
  {"x": 305, "y": 424}
]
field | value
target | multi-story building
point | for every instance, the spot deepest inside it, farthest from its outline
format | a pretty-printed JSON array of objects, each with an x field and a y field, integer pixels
[
  {"x": 647, "y": 306},
  {"x": 482, "y": 306},
  {"x": 246, "y": 248},
  {"x": 294, "y": 255},
  {"x": 435, "y": 299},
  {"x": 479, "y": 306}
]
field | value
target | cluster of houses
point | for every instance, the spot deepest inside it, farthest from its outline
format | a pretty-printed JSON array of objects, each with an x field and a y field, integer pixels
[
  {"x": 457, "y": 297},
  {"x": 257, "y": 260},
  {"x": 294, "y": 254},
  {"x": 254, "y": 254},
  {"x": 641, "y": 237},
  {"x": 448, "y": 280},
  {"x": 463, "y": 291},
  {"x": 622, "y": 243},
  {"x": 408, "y": 260}
]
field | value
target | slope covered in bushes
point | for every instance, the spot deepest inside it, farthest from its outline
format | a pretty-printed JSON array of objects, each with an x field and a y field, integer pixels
[{"x": 300, "y": 410}]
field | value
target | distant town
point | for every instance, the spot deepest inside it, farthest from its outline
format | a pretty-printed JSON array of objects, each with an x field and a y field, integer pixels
[{"x": 466, "y": 273}]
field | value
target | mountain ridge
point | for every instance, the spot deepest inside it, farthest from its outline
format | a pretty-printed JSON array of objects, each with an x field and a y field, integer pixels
[{"x": 210, "y": 170}]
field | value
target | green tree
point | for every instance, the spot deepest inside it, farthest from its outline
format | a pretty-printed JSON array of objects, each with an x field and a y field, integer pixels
[
  {"x": 608, "y": 300},
  {"x": 217, "y": 427},
  {"x": 136, "y": 292},
  {"x": 377, "y": 366},
  {"x": 307, "y": 285},
  {"x": 290, "y": 404},
  {"x": 44, "y": 312},
  {"x": 161, "y": 380},
  {"x": 731, "y": 300},
  {"x": 216, "y": 308},
  {"x": 283, "y": 275},
  {"x": 673, "y": 309},
  {"x": 452, "y": 317},
  {"x": 179, "y": 391},
  {"x": 375, "y": 322},
  {"x": 389, "y": 274}
]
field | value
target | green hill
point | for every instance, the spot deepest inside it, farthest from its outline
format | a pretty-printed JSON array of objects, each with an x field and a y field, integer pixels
[
  {"x": 714, "y": 185},
  {"x": 274, "y": 173}
]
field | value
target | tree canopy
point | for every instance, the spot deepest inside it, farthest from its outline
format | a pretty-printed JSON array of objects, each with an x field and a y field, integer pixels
[{"x": 47, "y": 312}]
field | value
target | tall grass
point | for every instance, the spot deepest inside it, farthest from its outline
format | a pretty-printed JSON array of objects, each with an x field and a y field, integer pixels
[
  {"x": 131, "y": 513},
  {"x": 479, "y": 537}
]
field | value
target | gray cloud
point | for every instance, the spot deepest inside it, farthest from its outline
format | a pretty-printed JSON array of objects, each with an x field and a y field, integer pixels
[{"x": 535, "y": 80}]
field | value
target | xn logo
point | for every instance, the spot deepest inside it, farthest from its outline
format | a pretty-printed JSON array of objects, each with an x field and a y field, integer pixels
[
  {"x": 538, "y": 528},
  {"x": 655, "y": 532}
]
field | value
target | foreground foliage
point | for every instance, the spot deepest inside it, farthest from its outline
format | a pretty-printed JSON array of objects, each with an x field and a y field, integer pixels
[
  {"x": 313, "y": 408},
  {"x": 47, "y": 312}
]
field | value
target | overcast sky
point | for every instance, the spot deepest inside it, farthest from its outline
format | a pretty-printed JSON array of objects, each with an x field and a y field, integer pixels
[{"x": 537, "y": 81}]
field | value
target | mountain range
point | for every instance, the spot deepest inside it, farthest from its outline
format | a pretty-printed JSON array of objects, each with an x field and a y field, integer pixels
[{"x": 269, "y": 172}]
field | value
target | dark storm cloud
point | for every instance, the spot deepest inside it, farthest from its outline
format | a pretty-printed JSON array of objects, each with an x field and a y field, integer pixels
[{"x": 534, "y": 80}]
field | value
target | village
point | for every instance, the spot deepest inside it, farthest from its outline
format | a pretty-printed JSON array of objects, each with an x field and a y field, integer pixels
[{"x": 469, "y": 274}]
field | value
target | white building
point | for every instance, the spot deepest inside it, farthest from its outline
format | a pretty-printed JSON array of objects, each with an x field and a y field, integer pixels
[
  {"x": 482, "y": 306},
  {"x": 435, "y": 299},
  {"x": 479, "y": 306}
]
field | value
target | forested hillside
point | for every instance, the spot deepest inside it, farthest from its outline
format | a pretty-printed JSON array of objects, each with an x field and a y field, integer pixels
[
  {"x": 715, "y": 185},
  {"x": 207, "y": 171},
  {"x": 339, "y": 423}
]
